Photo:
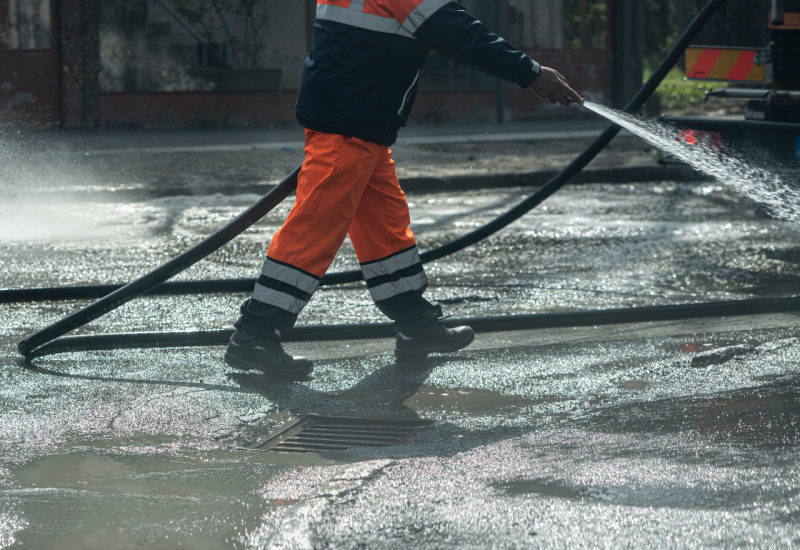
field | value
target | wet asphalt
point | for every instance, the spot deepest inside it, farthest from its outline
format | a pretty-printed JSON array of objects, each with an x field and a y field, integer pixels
[{"x": 663, "y": 434}]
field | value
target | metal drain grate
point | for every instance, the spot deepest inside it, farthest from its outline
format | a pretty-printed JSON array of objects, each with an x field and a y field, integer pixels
[{"x": 317, "y": 433}]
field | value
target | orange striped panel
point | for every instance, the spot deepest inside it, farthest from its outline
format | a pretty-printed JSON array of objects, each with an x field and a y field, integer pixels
[
  {"x": 723, "y": 64},
  {"x": 339, "y": 3}
]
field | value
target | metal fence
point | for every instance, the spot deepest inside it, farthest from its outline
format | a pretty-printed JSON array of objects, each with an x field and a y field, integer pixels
[{"x": 239, "y": 45}]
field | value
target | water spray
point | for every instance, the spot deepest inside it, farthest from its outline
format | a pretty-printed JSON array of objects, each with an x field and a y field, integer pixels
[{"x": 758, "y": 184}]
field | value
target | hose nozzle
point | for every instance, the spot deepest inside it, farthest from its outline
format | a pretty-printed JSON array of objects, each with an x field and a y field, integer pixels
[{"x": 570, "y": 100}]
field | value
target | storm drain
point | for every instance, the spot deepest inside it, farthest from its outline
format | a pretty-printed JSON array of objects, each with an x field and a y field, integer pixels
[{"x": 317, "y": 433}]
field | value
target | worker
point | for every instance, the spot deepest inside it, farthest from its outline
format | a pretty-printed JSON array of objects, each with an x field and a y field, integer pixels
[{"x": 359, "y": 84}]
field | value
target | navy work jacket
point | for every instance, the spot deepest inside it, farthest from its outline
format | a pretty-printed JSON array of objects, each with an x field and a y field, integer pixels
[{"x": 362, "y": 73}]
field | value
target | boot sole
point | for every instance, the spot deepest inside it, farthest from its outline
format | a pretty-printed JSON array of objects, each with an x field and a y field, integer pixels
[
  {"x": 409, "y": 356},
  {"x": 303, "y": 369}
]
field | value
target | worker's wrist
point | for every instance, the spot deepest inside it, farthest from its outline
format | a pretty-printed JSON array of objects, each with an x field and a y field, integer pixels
[{"x": 529, "y": 74}]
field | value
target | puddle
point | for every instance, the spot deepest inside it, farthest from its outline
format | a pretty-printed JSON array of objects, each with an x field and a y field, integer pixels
[
  {"x": 87, "y": 501},
  {"x": 59, "y": 469},
  {"x": 431, "y": 398},
  {"x": 634, "y": 385}
]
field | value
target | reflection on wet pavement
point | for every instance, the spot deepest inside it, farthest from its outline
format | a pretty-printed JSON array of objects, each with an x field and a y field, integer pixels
[{"x": 664, "y": 434}]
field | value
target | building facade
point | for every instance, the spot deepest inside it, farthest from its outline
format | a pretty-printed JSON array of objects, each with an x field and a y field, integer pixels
[{"x": 183, "y": 63}]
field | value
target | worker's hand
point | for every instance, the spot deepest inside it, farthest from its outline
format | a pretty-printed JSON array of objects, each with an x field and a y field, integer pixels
[{"x": 549, "y": 85}]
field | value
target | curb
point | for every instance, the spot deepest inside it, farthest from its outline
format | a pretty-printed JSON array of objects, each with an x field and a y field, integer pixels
[
  {"x": 632, "y": 174},
  {"x": 465, "y": 182},
  {"x": 446, "y": 139}
]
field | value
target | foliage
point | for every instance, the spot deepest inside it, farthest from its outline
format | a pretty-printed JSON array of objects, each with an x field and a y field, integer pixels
[
  {"x": 239, "y": 24},
  {"x": 586, "y": 23},
  {"x": 675, "y": 92}
]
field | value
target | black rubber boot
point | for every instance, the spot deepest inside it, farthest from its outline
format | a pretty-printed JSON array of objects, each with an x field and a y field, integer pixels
[
  {"x": 265, "y": 353},
  {"x": 435, "y": 339}
]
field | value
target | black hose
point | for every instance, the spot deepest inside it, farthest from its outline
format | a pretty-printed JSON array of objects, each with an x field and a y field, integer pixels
[
  {"x": 93, "y": 292},
  {"x": 168, "y": 270},
  {"x": 369, "y": 331},
  {"x": 246, "y": 285}
]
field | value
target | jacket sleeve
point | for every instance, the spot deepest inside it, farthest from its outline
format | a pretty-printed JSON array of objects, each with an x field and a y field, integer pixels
[{"x": 455, "y": 33}]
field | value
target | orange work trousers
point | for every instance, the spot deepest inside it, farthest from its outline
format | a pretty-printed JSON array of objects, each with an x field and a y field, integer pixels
[{"x": 346, "y": 185}]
